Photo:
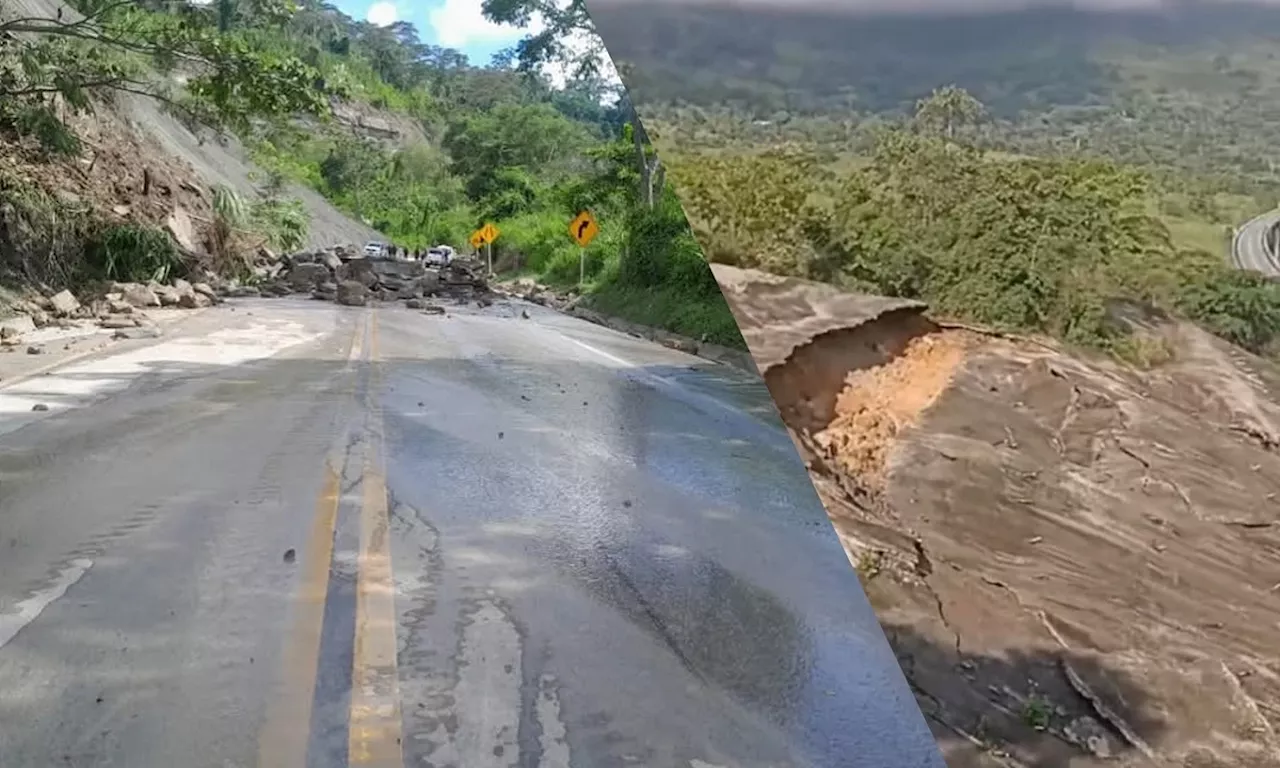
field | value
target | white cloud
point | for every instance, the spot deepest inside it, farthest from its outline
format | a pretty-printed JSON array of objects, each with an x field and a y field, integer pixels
[
  {"x": 461, "y": 23},
  {"x": 581, "y": 45},
  {"x": 383, "y": 14}
]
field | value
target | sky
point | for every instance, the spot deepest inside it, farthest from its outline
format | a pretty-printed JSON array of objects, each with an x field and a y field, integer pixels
[
  {"x": 949, "y": 6},
  {"x": 457, "y": 24}
]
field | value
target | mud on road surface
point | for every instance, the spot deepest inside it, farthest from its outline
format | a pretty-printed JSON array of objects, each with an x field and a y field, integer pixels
[{"x": 1077, "y": 563}]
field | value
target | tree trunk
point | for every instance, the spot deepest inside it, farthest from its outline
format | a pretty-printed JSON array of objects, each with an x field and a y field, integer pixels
[
  {"x": 642, "y": 162},
  {"x": 642, "y": 158}
]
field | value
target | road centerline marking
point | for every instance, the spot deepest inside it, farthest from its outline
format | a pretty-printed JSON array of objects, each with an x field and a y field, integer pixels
[
  {"x": 375, "y": 726},
  {"x": 284, "y": 739}
]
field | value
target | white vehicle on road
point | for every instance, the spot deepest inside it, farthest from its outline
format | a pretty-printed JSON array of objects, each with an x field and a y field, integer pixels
[
  {"x": 439, "y": 256},
  {"x": 373, "y": 250}
]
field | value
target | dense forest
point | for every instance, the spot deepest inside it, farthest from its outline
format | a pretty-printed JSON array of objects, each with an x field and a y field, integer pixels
[
  {"x": 300, "y": 83},
  {"x": 1022, "y": 169}
]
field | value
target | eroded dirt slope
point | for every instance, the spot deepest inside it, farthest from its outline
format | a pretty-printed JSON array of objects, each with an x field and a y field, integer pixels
[
  {"x": 1077, "y": 563},
  {"x": 156, "y": 138}
]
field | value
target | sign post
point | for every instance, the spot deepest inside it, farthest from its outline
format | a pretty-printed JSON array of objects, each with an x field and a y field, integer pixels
[
  {"x": 490, "y": 233},
  {"x": 583, "y": 229}
]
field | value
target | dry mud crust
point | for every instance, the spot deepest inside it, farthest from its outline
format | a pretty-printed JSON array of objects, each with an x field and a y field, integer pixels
[{"x": 1077, "y": 564}]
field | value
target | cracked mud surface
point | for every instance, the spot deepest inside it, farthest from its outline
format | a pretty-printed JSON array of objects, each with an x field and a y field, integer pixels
[{"x": 1077, "y": 563}]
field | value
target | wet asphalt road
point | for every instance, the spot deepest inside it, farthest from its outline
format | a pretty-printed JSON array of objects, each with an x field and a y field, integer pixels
[{"x": 409, "y": 540}]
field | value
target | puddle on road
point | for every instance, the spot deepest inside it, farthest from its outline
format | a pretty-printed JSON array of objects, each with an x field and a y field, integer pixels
[{"x": 724, "y": 630}]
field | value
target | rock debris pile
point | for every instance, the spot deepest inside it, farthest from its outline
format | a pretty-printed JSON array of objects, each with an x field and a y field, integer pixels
[
  {"x": 120, "y": 307},
  {"x": 339, "y": 274}
]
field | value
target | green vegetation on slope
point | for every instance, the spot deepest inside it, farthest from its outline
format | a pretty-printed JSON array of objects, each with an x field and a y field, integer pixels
[
  {"x": 1078, "y": 159},
  {"x": 1030, "y": 244},
  {"x": 67, "y": 65},
  {"x": 503, "y": 146},
  {"x": 468, "y": 144}
]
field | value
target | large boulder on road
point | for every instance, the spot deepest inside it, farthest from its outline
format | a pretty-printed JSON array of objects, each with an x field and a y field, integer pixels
[
  {"x": 327, "y": 291},
  {"x": 138, "y": 295},
  {"x": 305, "y": 277},
  {"x": 194, "y": 300},
  {"x": 183, "y": 287},
  {"x": 204, "y": 289},
  {"x": 429, "y": 283},
  {"x": 63, "y": 303},
  {"x": 352, "y": 293},
  {"x": 360, "y": 271}
]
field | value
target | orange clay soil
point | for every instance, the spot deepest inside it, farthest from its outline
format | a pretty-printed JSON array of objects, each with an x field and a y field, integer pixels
[{"x": 877, "y": 404}]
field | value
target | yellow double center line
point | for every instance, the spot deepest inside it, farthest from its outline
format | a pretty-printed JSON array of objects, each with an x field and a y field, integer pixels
[
  {"x": 375, "y": 726},
  {"x": 374, "y": 719}
]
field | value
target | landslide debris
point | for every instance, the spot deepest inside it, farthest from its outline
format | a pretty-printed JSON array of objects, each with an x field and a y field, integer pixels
[
  {"x": 338, "y": 274},
  {"x": 878, "y": 403},
  {"x": 1076, "y": 562}
]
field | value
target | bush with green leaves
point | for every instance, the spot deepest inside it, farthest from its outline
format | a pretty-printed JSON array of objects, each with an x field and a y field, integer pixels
[
  {"x": 1027, "y": 244},
  {"x": 1241, "y": 307},
  {"x": 132, "y": 253}
]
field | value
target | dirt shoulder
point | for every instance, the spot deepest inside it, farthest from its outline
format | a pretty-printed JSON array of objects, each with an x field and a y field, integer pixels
[{"x": 1078, "y": 564}]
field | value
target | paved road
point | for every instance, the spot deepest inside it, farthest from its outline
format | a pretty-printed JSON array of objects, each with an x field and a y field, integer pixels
[
  {"x": 296, "y": 535},
  {"x": 1249, "y": 248}
]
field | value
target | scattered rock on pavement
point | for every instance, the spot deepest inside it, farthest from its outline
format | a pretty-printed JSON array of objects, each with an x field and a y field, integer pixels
[
  {"x": 113, "y": 322},
  {"x": 137, "y": 332}
]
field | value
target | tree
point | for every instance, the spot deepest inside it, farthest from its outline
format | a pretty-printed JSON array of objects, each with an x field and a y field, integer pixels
[
  {"x": 352, "y": 164},
  {"x": 562, "y": 23},
  {"x": 115, "y": 46},
  {"x": 948, "y": 108},
  {"x": 532, "y": 137}
]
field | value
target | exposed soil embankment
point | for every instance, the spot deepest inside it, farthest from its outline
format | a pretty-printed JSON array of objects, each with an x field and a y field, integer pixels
[
  {"x": 877, "y": 403},
  {"x": 135, "y": 135},
  {"x": 1077, "y": 563}
]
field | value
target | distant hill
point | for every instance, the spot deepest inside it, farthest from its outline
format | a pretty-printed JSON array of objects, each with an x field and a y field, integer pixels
[{"x": 1195, "y": 86}]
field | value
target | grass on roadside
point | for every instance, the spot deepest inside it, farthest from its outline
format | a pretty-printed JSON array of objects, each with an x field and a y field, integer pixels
[{"x": 669, "y": 308}]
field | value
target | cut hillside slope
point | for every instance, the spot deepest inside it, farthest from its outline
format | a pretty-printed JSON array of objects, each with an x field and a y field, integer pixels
[
  {"x": 214, "y": 162},
  {"x": 1077, "y": 563}
]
